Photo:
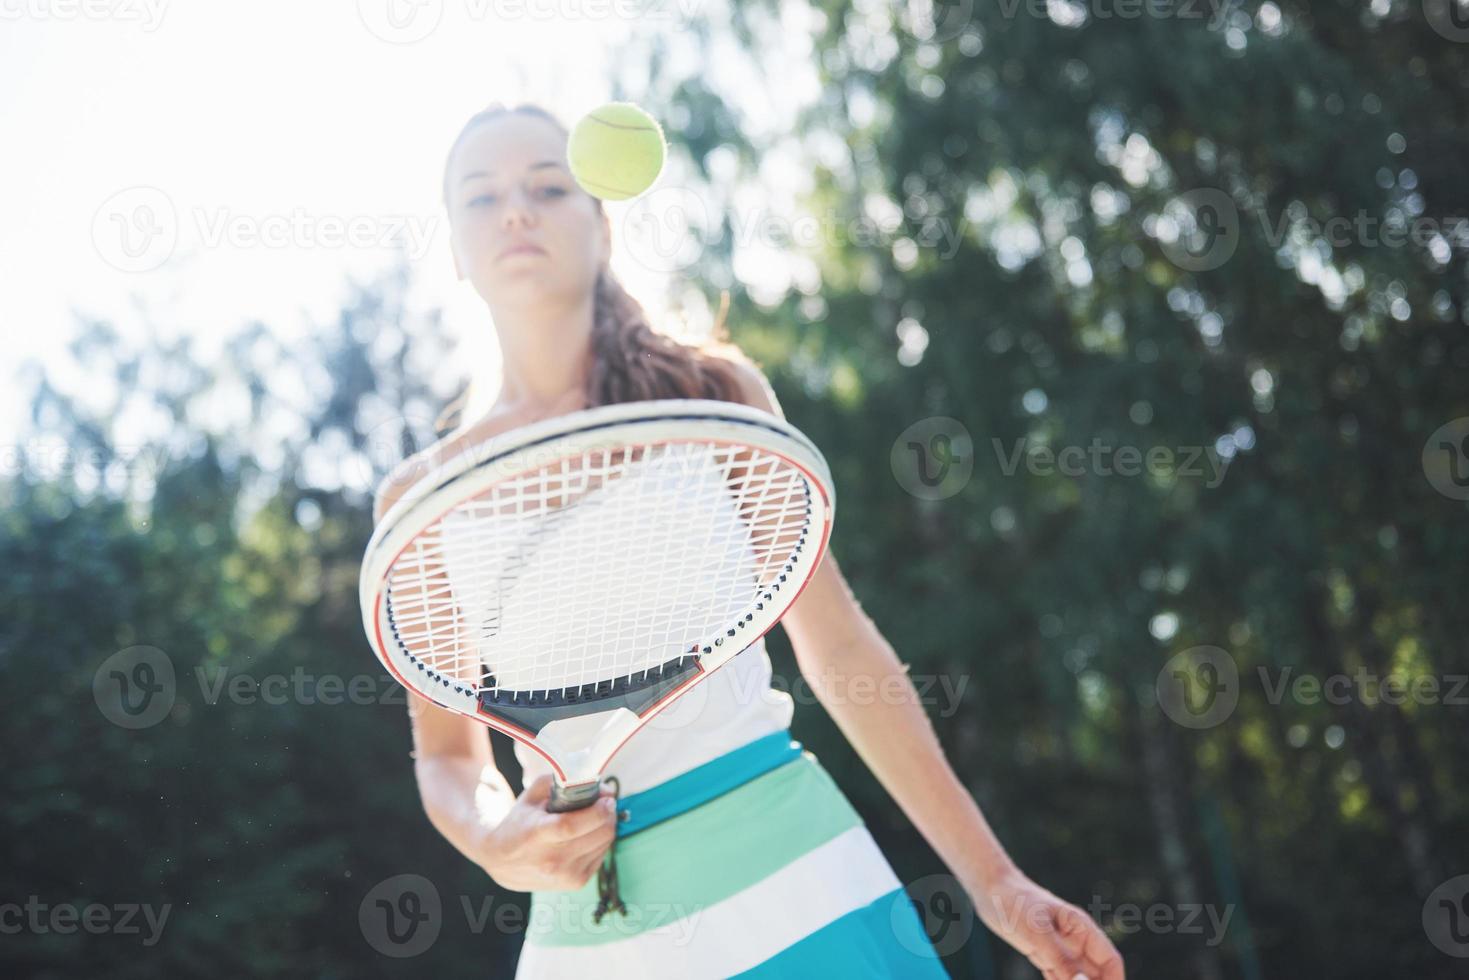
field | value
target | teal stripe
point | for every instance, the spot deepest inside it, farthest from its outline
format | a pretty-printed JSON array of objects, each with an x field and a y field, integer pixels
[
  {"x": 703, "y": 783},
  {"x": 701, "y": 857},
  {"x": 884, "y": 939}
]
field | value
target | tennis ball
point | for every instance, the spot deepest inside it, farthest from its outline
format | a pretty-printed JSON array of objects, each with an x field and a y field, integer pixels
[{"x": 616, "y": 151}]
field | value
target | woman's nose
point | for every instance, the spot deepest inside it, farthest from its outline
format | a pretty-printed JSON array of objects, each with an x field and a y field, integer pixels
[{"x": 518, "y": 210}]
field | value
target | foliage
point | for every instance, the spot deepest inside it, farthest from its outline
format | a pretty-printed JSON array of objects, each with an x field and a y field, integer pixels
[{"x": 1058, "y": 145}]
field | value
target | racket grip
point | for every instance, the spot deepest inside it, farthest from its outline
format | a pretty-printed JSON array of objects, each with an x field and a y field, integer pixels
[{"x": 575, "y": 797}]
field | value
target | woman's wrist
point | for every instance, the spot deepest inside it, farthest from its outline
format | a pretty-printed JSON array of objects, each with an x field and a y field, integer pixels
[
  {"x": 487, "y": 850},
  {"x": 992, "y": 872}
]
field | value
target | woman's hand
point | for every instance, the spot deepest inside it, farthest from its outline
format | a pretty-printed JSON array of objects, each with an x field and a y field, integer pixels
[
  {"x": 1058, "y": 938},
  {"x": 532, "y": 849}
]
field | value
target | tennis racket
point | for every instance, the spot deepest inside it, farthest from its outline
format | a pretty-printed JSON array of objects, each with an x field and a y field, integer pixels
[{"x": 566, "y": 581}]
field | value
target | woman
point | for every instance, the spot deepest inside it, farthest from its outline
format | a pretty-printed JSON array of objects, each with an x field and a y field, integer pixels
[{"x": 756, "y": 865}]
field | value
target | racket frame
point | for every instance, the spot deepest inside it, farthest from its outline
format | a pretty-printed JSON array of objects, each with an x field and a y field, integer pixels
[{"x": 474, "y": 469}]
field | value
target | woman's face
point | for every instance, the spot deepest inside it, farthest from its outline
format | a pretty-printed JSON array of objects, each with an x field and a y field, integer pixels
[{"x": 521, "y": 228}]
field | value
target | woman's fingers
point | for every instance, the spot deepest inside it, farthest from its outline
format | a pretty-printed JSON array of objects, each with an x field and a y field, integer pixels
[
  {"x": 1077, "y": 948},
  {"x": 578, "y": 823},
  {"x": 539, "y": 791},
  {"x": 576, "y": 841},
  {"x": 1094, "y": 949}
]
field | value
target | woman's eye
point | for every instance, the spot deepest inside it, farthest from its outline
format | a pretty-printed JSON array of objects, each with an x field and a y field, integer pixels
[{"x": 549, "y": 192}]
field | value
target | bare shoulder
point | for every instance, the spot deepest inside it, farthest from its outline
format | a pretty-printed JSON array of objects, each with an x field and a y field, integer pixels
[
  {"x": 754, "y": 387},
  {"x": 415, "y": 466}
]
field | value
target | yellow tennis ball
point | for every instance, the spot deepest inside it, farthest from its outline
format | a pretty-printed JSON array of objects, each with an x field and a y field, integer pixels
[{"x": 616, "y": 151}]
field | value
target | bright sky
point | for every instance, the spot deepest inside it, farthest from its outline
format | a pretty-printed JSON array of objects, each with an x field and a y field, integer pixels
[{"x": 137, "y": 138}]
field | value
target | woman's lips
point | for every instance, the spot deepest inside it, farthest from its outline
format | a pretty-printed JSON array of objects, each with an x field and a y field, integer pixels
[{"x": 522, "y": 250}]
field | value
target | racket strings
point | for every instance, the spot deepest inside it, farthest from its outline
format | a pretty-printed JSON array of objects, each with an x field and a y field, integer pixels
[{"x": 601, "y": 571}]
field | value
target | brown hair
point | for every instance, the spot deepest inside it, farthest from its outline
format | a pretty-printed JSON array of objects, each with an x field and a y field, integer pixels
[{"x": 630, "y": 360}]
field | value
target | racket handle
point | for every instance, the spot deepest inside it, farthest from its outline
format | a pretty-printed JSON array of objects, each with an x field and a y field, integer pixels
[{"x": 574, "y": 797}]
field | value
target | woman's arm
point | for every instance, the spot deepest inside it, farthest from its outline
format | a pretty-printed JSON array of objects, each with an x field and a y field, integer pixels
[
  {"x": 865, "y": 688},
  {"x": 465, "y": 796},
  {"x": 860, "y": 681},
  {"x": 515, "y": 839}
]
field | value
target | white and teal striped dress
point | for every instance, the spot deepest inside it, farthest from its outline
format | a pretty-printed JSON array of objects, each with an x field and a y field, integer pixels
[{"x": 772, "y": 875}]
